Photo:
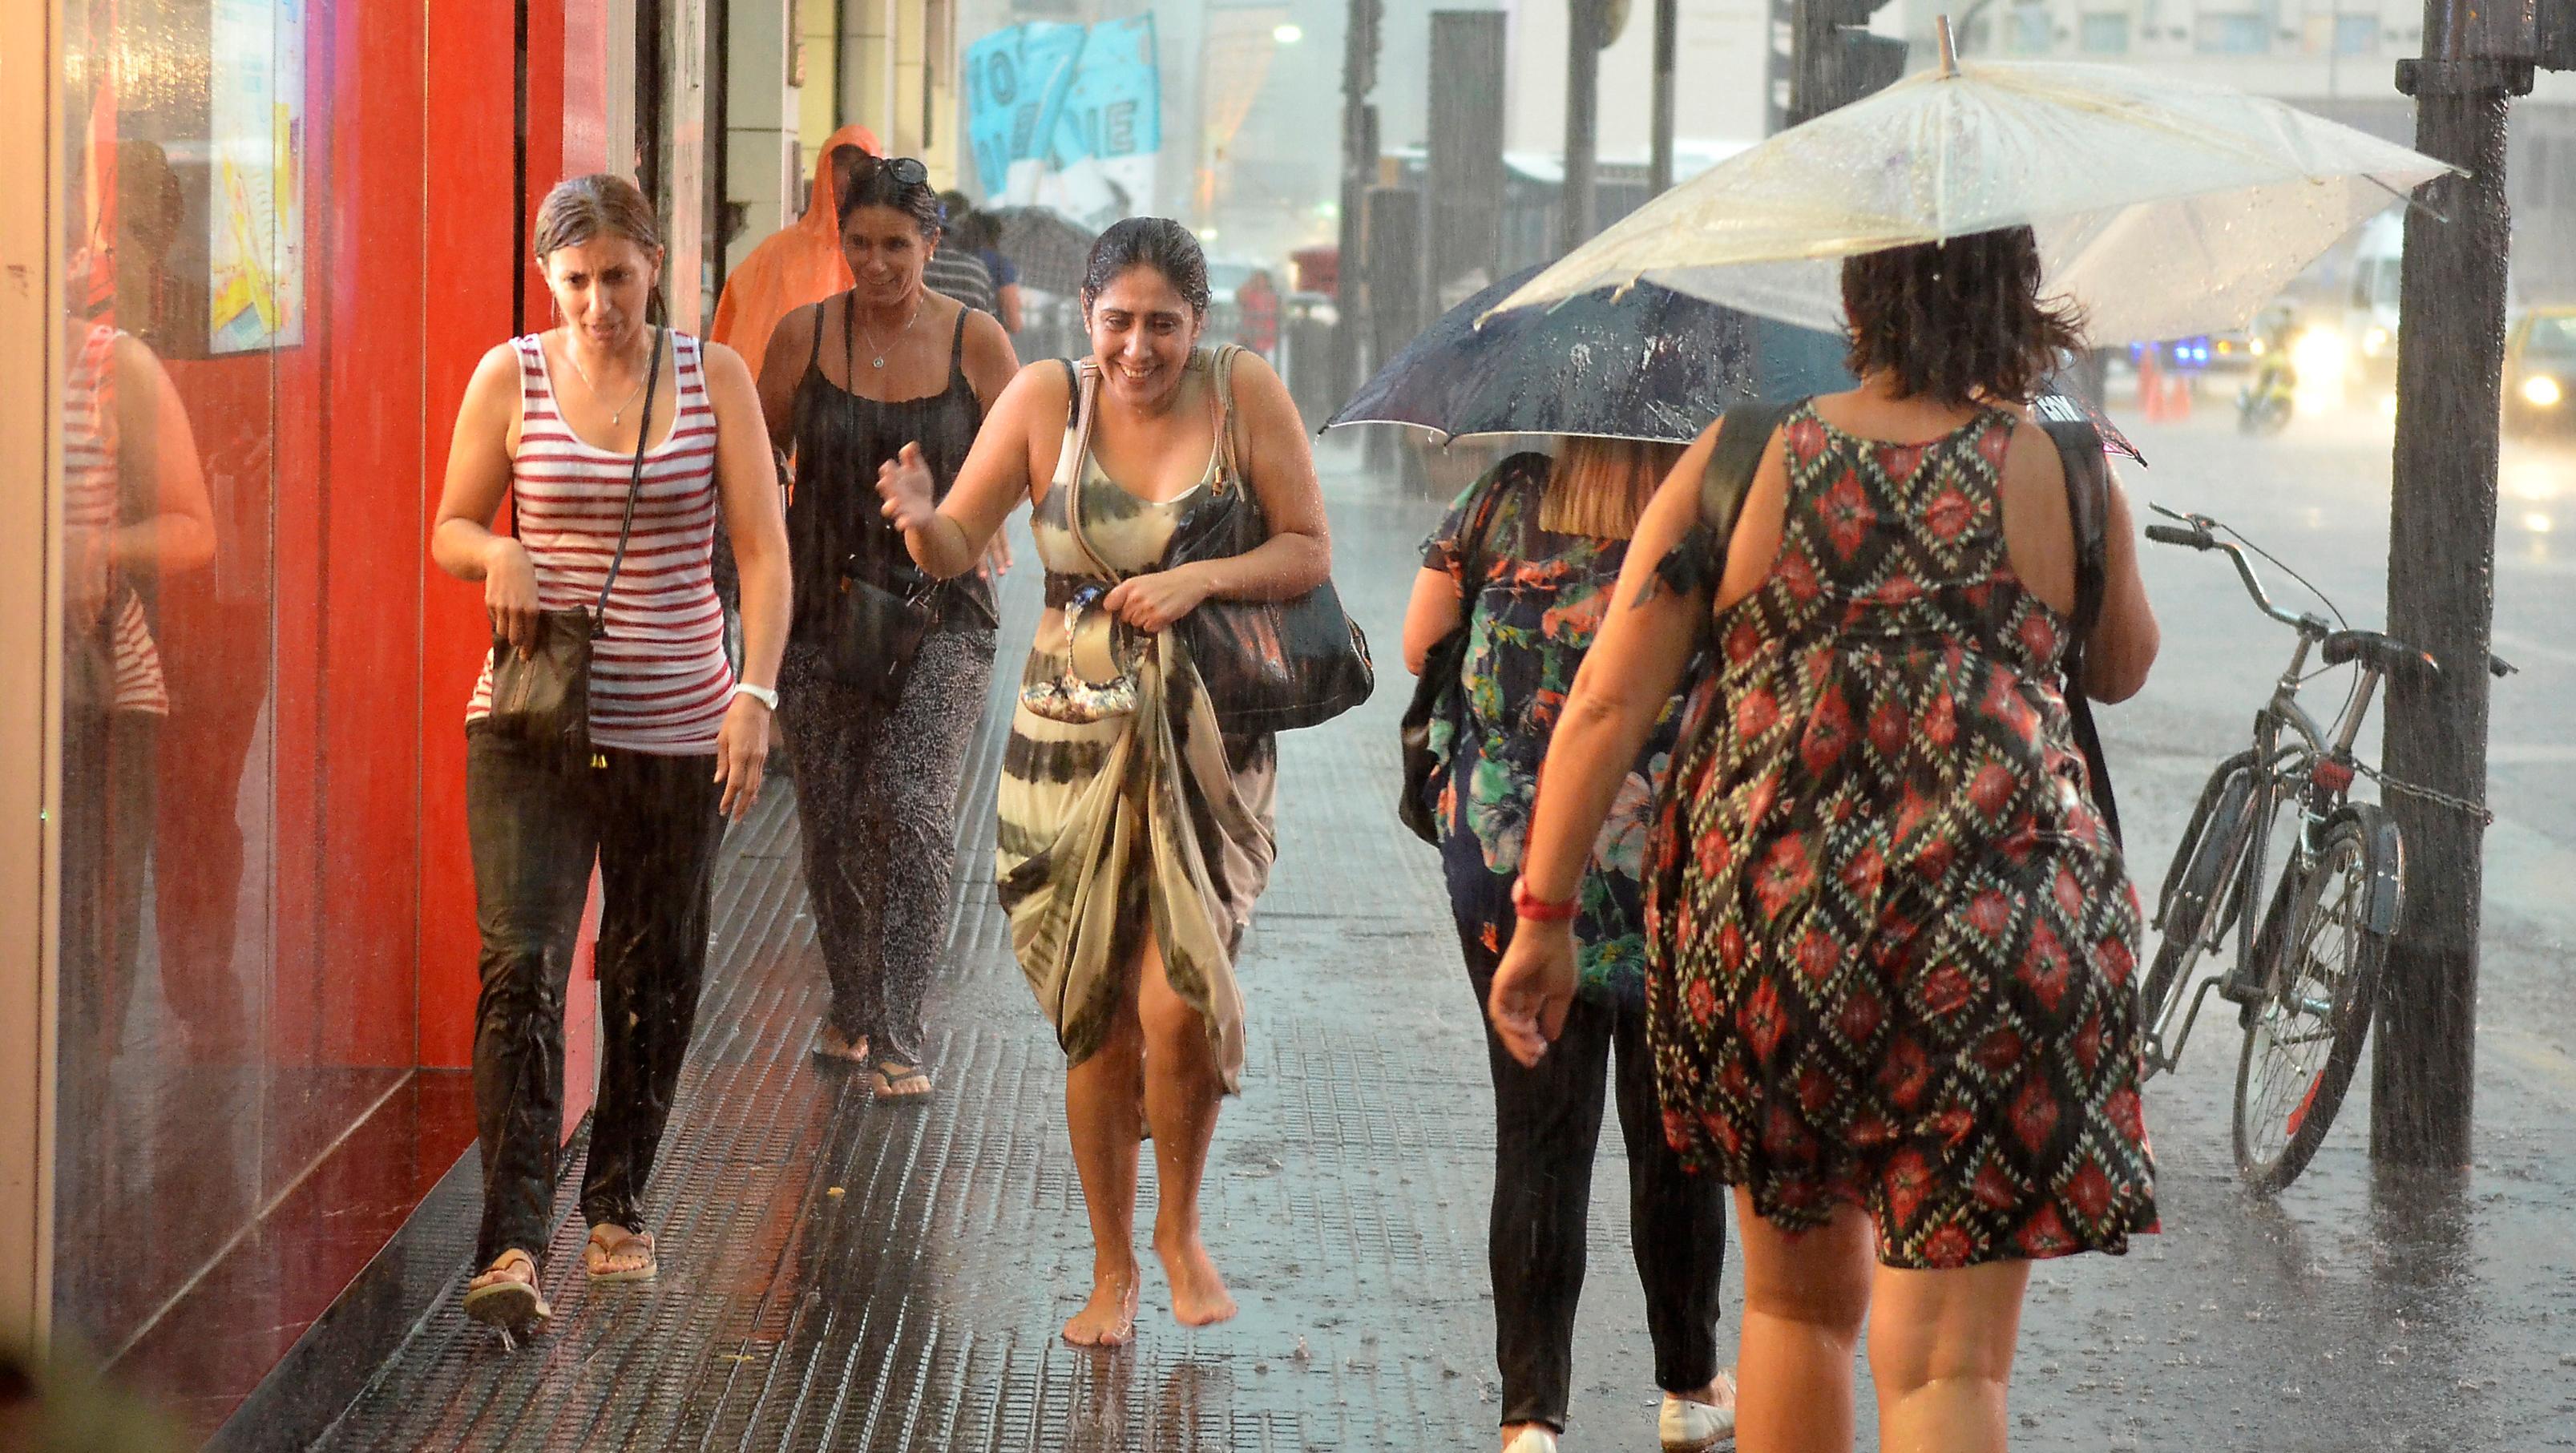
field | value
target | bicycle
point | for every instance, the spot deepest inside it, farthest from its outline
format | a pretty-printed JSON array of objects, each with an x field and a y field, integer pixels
[{"x": 2306, "y": 976}]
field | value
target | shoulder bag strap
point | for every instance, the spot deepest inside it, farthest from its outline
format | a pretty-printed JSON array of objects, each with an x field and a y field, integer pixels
[
  {"x": 1229, "y": 465},
  {"x": 634, "y": 482},
  {"x": 2088, "y": 507},
  {"x": 1731, "y": 467},
  {"x": 1071, "y": 467}
]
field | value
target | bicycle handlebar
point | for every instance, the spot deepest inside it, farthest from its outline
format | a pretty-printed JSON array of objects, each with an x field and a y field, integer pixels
[{"x": 2194, "y": 533}]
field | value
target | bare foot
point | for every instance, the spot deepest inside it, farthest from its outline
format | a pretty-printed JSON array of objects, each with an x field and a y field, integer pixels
[
  {"x": 1199, "y": 1297},
  {"x": 832, "y": 1044},
  {"x": 1109, "y": 1318}
]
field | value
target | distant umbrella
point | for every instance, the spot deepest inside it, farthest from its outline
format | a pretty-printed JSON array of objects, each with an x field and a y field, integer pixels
[{"x": 1048, "y": 247}]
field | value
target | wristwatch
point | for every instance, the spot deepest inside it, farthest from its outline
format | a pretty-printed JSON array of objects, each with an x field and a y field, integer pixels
[
  {"x": 766, "y": 696},
  {"x": 1539, "y": 910}
]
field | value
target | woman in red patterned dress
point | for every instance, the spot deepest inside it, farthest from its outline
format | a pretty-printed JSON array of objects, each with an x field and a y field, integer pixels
[{"x": 1889, "y": 936}]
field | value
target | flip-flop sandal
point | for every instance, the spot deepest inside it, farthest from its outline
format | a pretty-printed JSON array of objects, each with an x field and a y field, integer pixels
[
  {"x": 597, "y": 1252},
  {"x": 506, "y": 1302},
  {"x": 858, "y": 1054},
  {"x": 892, "y": 1073}
]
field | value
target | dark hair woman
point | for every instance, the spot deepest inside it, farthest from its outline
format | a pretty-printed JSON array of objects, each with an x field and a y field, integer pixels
[
  {"x": 677, "y": 742},
  {"x": 887, "y": 369},
  {"x": 1525, "y": 561},
  {"x": 1135, "y": 835},
  {"x": 1890, "y": 936}
]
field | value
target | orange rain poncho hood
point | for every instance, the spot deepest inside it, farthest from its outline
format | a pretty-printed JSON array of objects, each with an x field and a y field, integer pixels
[{"x": 798, "y": 264}]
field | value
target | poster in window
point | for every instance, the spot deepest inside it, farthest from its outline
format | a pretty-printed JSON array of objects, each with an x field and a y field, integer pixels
[{"x": 255, "y": 216}]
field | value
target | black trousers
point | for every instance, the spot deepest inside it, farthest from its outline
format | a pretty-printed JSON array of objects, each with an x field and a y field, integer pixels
[
  {"x": 1546, "y": 1123},
  {"x": 536, "y": 825}
]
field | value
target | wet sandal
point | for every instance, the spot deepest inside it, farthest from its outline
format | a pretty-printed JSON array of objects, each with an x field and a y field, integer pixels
[
  {"x": 506, "y": 1295},
  {"x": 852, "y": 1051},
  {"x": 610, "y": 1243},
  {"x": 894, "y": 1080}
]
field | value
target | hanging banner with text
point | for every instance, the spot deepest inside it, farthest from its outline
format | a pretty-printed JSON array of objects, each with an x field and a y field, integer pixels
[{"x": 1068, "y": 116}]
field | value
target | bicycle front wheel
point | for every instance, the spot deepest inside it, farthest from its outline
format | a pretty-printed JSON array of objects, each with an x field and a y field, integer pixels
[{"x": 2320, "y": 975}]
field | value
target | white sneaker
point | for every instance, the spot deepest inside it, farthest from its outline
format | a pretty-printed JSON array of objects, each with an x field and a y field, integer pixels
[
  {"x": 1690, "y": 1427},
  {"x": 1532, "y": 1439}
]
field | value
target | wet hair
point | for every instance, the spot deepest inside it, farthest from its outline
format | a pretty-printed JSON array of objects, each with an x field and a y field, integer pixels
[
  {"x": 868, "y": 181},
  {"x": 1957, "y": 320},
  {"x": 1156, "y": 242},
  {"x": 976, "y": 231},
  {"x": 1601, "y": 487},
  {"x": 598, "y": 205},
  {"x": 954, "y": 206}
]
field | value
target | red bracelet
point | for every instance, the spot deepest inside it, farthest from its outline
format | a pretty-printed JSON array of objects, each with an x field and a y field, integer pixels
[{"x": 1539, "y": 910}]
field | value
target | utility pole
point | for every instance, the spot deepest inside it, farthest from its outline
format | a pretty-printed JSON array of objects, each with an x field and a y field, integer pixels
[
  {"x": 2441, "y": 562},
  {"x": 1359, "y": 173},
  {"x": 1659, "y": 155},
  {"x": 1582, "y": 104}
]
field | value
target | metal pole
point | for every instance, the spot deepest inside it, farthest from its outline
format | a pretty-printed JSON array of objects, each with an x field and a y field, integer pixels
[
  {"x": 1359, "y": 167},
  {"x": 1582, "y": 101},
  {"x": 1659, "y": 163},
  {"x": 2441, "y": 587}
]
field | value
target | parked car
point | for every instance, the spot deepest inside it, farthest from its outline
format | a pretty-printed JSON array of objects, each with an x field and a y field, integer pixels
[{"x": 2540, "y": 373}]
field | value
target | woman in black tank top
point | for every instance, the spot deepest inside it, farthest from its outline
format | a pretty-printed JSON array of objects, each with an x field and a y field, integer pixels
[{"x": 876, "y": 780}]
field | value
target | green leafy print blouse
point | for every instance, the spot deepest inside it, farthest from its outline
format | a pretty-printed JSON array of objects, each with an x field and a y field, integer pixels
[{"x": 1539, "y": 599}]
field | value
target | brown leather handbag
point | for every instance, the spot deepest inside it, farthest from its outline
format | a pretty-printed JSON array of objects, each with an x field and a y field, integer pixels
[{"x": 542, "y": 698}]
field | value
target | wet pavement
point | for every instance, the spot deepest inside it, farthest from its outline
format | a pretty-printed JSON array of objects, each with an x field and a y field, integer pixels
[{"x": 839, "y": 1274}]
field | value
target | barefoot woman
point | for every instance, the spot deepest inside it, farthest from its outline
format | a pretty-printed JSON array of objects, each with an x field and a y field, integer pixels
[{"x": 1134, "y": 836}]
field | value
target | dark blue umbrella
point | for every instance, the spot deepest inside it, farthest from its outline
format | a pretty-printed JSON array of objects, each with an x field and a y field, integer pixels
[
  {"x": 1648, "y": 364},
  {"x": 1644, "y": 362}
]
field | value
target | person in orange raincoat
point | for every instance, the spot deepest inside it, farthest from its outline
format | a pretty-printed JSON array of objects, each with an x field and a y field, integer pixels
[{"x": 798, "y": 264}]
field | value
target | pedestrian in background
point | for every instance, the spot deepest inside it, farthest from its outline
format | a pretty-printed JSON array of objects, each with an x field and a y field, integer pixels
[
  {"x": 798, "y": 264},
  {"x": 1525, "y": 562},
  {"x": 616, "y": 517},
  {"x": 888, "y": 369},
  {"x": 981, "y": 234},
  {"x": 1257, "y": 311},
  {"x": 954, "y": 271},
  {"x": 1135, "y": 832},
  {"x": 1891, "y": 937}
]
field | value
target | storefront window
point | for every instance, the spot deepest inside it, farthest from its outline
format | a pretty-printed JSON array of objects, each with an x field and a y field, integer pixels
[{"x": 216, "y": 1036}]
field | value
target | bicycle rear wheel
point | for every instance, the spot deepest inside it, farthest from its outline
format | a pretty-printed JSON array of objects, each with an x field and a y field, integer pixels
[{"x": 2303, "y": 1038}]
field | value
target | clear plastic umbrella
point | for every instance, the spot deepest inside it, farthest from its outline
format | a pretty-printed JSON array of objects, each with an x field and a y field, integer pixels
[{"x": 2164, "y": 207}]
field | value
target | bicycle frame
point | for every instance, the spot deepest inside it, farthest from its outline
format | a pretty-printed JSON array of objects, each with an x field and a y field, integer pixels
[{"x": 2293, "y": 758}]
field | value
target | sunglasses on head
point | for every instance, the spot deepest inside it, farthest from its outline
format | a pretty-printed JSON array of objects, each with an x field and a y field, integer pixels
[{"x": 906, "y": 171}]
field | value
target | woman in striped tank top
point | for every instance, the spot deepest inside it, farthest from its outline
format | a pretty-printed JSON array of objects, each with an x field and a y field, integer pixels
[{"x": 551, "y": 421}]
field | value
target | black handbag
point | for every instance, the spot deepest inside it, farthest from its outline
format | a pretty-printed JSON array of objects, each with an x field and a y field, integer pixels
[
  {"x": 542, "y": 698},
  {"x": 2088, "y": 502},
  {"x": 1268, "y": 665},
  {"x": 872, "y": 633},
  {"x": 1437, "y": 685}
]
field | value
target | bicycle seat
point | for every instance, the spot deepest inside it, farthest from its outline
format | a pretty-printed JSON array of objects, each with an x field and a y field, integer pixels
[{"x": 2384, "y": 654}]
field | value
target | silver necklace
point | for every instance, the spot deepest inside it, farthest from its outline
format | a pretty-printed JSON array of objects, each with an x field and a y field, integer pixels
[
  {"x": 900, "y": 334},
  {"x": 616, "y": 415}
]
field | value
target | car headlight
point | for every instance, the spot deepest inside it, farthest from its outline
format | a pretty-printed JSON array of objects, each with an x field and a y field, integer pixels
[
  {"x": 2321, "y": 355},
  {"x": 2542, "y": 392}
]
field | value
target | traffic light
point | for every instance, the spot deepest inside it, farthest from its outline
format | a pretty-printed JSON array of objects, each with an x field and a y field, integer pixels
[{"x": 1835, "y": 60}]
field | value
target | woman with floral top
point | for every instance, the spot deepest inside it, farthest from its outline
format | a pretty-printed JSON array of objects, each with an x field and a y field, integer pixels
[{"x": 1526, "y": 561}]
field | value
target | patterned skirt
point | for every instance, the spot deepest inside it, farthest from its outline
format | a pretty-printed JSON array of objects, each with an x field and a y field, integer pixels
[{"x": 1147, "y": 820}]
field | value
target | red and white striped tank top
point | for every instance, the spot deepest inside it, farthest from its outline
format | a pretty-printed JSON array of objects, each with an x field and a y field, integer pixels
[
  {"x": 659, "y": 681},
  {"x": 92, "y": 504}
]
